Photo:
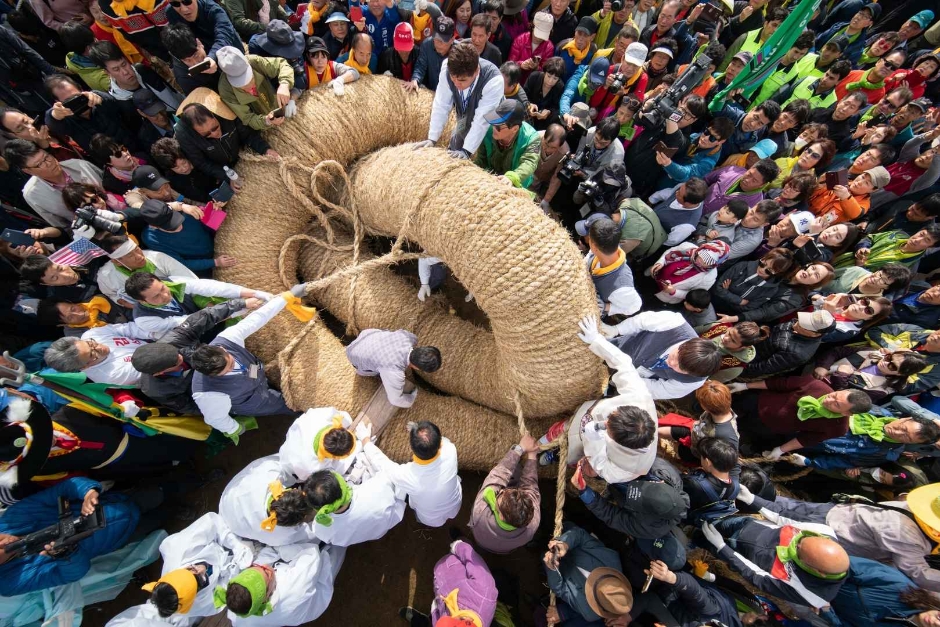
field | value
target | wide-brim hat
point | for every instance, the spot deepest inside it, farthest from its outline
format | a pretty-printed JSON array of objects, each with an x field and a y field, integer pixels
[
  {"x": 280, "y": 41},
  {"x": 924, "y": 503},
  {"x": 512, "y": 7},
  {"x": 210, "y": 100},
  {"x": 608, "y": 593},
  {"x": 12, "y": 440}
]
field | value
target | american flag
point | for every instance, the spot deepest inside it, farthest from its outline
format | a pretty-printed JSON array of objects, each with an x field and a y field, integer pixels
[{"x": 78, "y": 253}]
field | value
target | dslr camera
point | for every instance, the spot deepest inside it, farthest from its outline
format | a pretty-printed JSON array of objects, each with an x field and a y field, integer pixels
[
  {"x": 618, "y": 82},
  {"x": 570, "y": 164},
  {"x": 665, "y": 105},
  {"x": 67, "y": 533},
  {"x": 98, "y": 219},
  {"x": 616, "y": 5}
]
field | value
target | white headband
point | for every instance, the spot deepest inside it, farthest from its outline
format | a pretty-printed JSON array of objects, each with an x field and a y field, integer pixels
[{"x": 127, "y": 247}]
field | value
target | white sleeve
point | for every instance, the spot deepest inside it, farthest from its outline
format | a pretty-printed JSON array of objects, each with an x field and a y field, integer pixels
[
  {"x": 394, "y": 383},
  {"x": 650, "y": 321},
  {"x": 492, "y": 95},
  {"x": 424, "y": 268},
  {"x": 108, "y": 282},
  {"x": 440, "y": 108},
  {"x": 241, "y": 551},
  {"x": 168, "y": 266},
  {"x": 679, "y": 233},
  {"x": 208, "y": 287},
  {"x": 378, "y": 459},
  {"x": 127, "y": 329},
  {"x": 625, "y": 301},
  {"x": 254, "y": 321},
  {"x": 215, "y": 407},
  {"x": 157, "y": 327}
]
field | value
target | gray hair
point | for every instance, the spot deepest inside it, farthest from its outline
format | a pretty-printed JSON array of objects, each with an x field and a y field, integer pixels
[{"x": 63, "y": 355}]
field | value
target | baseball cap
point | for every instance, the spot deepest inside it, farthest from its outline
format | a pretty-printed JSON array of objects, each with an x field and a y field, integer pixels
[
  {"x": 923, "y": 19},
  {"x": 635, "y": 54},
  {"x": 146, "y": 101},
  {"x": 817, "y": 321},
  {"x": 542, "y": 24},
  {"x": 148, "y": 177},
  {"x": 873, "y": 8},
  {"x": 158, "y": 214},
  {"x": 234, "y": 64},
  {"x": 315, "y": 44},
  {"x": 444, "y": 29},
  {"x": 764, "y": 148},
  {"x": 921, "y": 103},
  {"x": 337, "y": 16},
  {"x": 582, "y": 227},
  {"x": 801, "y": 220},
  {"x": 840, "y": 41},
  {"x": 588, "y": 25},
  {"x": 509, "y": 112},
  {"x": 404, "y": 40},
  {"x": 743, "y": 57},
  {"x": 597, "y": 73},
  {"x": 879, "y": 176},
  {"x": 659, "y": 500},
  {"x": 154, "y": 357}
]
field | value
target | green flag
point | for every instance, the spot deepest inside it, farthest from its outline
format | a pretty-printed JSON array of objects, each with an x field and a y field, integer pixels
[
  {"x": 768, "y": 56},
  {"x": 78, "y": 382}
]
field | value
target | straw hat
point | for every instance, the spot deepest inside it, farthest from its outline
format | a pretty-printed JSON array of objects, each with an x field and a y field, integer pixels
[
  {"x": 210, "y": 100},
  {"x": 924, "y": 503}
]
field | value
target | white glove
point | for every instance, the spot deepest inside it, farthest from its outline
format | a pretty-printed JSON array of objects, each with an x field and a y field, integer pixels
[
  {"x": 744, "y": 495},
  {"x": 772, "y": 516},
  {"x": 589, "y": 333},
  {"x": 737, "y": 386},
  {"x": 364, "y": 432},
  {"x": 424, "y": 292},
  {"x": 459, "y": 154},
  {"x": 798, "y": 460},
  {"x": 338, "y": 85},
  {"x": 387, "y": 73},
  {"x": 290, "y": 109},
  {"x": 546, "y": 206},
  {"x": 453, "y": 546},
  {"x": 87, "y": 231},
  {"x": 468, "y": 297},
  {"x": 774, "y": 454},
  {"x": 427, "y": 143},
  {"x": 265, "y": 296},
  {"x": 243, "y": 556},
  {"x": 608, "y": 331},
  {"x": 713, "y": 536},
  {"x": 131, "y": 409}
]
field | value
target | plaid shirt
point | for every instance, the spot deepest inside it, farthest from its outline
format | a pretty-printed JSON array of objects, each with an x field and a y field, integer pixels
[{"x": 385, "y": 354}]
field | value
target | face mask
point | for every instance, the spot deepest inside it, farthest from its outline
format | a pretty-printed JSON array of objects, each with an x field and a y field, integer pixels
[{"x": 800, "y": 142}]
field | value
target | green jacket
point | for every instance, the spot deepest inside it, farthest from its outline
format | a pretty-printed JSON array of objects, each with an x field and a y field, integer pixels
[
  {"x": 780, "y": 77},
  {"x": 804, "y": 91},
  {"x": 244, "y": 15},
  {"x": 604, "y": 24},
  {"x": 641, "y": 224},
  {"x": 91, "y": 75},
  {"x": 251, "y": 110},
  {"x": 520, "y": 165}
]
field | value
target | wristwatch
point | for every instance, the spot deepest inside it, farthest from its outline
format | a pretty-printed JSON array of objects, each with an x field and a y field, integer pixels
[{"x": 518, "y": 449}]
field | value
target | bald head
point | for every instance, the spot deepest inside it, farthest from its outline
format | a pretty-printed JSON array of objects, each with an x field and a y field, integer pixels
[{"x": 824, "y": 555}]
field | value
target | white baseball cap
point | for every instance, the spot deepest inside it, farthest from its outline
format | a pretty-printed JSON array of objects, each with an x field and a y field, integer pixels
[
  {"x": 542, "y": 25},
  {"x": 636, "y": 54}
]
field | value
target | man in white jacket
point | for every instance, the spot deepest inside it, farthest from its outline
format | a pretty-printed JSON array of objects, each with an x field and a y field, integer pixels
[
  {"x": 320, "y": 439},
  {"x": 196, "y": 560},
  {"x": 618, "y": 434},
  {"x": 348, "y": 514},
  {"x": 430, "y": 479}
]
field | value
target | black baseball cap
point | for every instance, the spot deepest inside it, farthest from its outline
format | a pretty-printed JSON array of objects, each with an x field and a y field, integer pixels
[
  {"x": 146, "y": 101},
  {"x": 588, "y": 24},
  {"x": 148, "y": 177},
  {"x": 509, "y": 112},
  {"x": 444, "y": 29},
  {"x": 316, "y": 44},
  {"x": 154, "y": 357},
  {"x": 158, "y": 214}
]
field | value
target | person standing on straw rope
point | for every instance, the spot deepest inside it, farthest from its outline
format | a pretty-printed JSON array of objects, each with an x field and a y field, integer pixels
[
  {"x": 473, "y": 87},
  {"x": 390, "y": 355}
]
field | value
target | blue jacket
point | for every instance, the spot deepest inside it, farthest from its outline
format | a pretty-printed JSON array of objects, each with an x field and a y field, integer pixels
[
  {"x": 907, "y": 310},
  {"x": 853, "y": 51},
  {"x": 869, "y": 595},
  {"x": 570, "y": 66},
  {"x": 428, "y": 66},
  {"x": 584, "y": 552},
  {"x": 740, "y": 141},
  {"x": 37, "y": 511},
  {"x": 192, "y": 246},
  {"x": 570, "y": 96},
  {"x": 212, "y": 26},
  {"x": 700, "y": 164}
]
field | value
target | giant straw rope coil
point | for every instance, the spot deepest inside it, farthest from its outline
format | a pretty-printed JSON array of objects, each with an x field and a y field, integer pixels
[{"x": 344, "y": 176}]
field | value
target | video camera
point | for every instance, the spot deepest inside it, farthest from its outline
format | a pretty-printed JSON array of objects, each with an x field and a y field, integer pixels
[
  {"x": 66, "y": 533},
  {"x": 98, "y": 219},
  {"x": 664, "y": 105},
  {"x": 570, "y": 163},
  {"x": 602, "y": 189}
]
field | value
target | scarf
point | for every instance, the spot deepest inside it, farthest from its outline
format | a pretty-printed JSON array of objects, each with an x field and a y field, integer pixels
[
  {"x": 253, "y": 581},
  {"x": 865, "y": 59},
  {"x": 323, "y": 516},
  {"x": 183, "y": 582},
  {"x": 318, "y": 447},
  {"x": 577, "y": 55},
  {"x": 790, "y": 553},
  {"x": 863, "y": 83},
  {"x": 421, "y": 25},
  {"x": 314, "y": 79},
  {"x": 454, "y": 611},
  {"x": 362, "y": 69},
  {"x": 122, "y": 7},
  {"x": 94, "y": 307},
  {"x": 737, "y": 183},
  {"x": 295, "y": 306},
  {"x": 178, "y": 292},
  {"x": 598, "y": 270},
  {"x": 809, "y": 408},
  {"x": 489, "y": 497},
  {"x": 148, "y": 267},
  {"x": 275, "y": 491},
  {"x": 871, "y": 425}
]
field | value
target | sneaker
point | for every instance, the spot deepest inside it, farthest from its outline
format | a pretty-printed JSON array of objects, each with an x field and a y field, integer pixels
[{"x": 547, "y": 458}]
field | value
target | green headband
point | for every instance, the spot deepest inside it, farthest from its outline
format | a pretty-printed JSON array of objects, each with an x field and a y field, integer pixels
[
  {"x": 323, "y": 516},
  {"x": 790, "y": 553},
  {"x": 253, "y": 581},
  {"x": 489, "y": 497}
]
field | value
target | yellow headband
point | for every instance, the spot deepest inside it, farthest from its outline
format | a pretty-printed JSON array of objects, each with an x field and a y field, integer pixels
[
  {"x": 320, "y": 450},
  {"x": 276, "y": 490},
  {"x": 183, "y": 581}
]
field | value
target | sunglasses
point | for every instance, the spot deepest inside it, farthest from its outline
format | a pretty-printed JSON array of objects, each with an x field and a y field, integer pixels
[
  {"x": 711, "y": 137},
  {"x": 891, "y": 65},
  {"x": 867, "y": 308},
  {"x": 812, "y": 154},
  {"x": 178, "y": 3},
  {"x": 889, "y": 363}
]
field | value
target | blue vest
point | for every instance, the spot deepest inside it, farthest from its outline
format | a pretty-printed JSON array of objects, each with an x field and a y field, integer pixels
[
  {"x": 185, "y": 308},
  {"x": 607, "y": 284},
  {"x": 648, "y": 346},
  {"x": 250, "y": 397},
  {"x": 671, "y": 218}
]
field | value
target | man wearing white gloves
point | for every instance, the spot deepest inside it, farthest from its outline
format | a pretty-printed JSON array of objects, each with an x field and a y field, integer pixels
[
  {"x": 196, "y": 560},
  {"x": 618, "y": 434},
  {"x": 430, "y": 479},
  {"x": 320, "y": 439}
]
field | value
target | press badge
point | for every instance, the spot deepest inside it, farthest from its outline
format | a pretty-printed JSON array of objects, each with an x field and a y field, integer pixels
[{"x": 253, "y": 371}]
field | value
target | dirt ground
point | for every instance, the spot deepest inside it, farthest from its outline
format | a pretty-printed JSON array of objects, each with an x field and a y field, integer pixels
[{"x": 377, "y": 578}]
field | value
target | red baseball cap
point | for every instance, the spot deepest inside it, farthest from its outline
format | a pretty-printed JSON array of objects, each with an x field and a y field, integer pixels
[{"x": 404, "y": 37}]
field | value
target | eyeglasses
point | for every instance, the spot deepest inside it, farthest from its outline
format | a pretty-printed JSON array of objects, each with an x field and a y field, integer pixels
[
  {"x": 46, "y": 160},
  {"x": 889, "y": 363},
  {"x": 176, "y": 4},
  {"x": 94, "y": 349}
]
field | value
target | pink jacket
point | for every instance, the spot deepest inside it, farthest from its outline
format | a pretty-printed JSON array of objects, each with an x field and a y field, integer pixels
[{"x": 522, "y": 51}]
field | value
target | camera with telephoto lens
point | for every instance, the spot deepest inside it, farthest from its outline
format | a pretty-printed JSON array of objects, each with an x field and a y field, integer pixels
[
  {"x": 616, "y": 5},
  {"x": 98, "y": 219},
  {"x": 665, "y": 105},
  {"x": 618, "y": 82},
  {"x": 66, "y": 534},
  {"x": 603, "y": 188},
  {"x": 570, "y": 164}
]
